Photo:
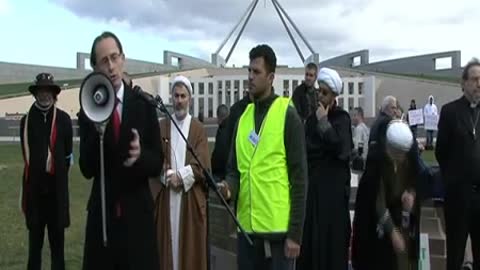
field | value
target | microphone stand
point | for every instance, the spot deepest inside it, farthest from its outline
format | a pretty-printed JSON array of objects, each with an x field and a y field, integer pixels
[
  {"x": 101, "y": 131},
  {"x": 158, "y": 103}
]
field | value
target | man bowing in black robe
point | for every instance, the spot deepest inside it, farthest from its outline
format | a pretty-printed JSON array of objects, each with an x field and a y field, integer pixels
[
  {"x": 329, "y": 145},
  {"x": 387, "y": 210}
]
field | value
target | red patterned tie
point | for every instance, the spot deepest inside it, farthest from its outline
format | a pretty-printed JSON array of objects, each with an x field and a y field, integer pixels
[{"x": 116, "y": 122}]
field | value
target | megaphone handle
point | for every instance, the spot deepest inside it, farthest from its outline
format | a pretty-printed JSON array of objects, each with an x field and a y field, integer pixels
[{"x": 102, "y": 190}]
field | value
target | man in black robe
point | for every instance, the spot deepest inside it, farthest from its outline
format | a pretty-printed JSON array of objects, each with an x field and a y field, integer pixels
[
  {"x": 387, "y": 210},
  {"x": 458, "y": 154},
  {"x": 329, "y": 145},
  {"x": 46, "y": 140}
]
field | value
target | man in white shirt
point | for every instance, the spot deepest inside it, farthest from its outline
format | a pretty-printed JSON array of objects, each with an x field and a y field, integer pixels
[
  {"x": 361, "y": 133},
  {"x": 430, "y": 109}
]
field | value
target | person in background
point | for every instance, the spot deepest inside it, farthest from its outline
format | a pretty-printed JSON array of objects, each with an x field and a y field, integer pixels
[
  {"x": 430, "y": 109},
  {"x": 46, "y": 140},
  {"x": 361, "y": 133},
  {"x": 304, "y": 95},
  {"x": 328, "y": 131},
  {"x": 221, "y": 149},
  {"x": 413, "y": 107},
  {"x": 458, "y": 154}
]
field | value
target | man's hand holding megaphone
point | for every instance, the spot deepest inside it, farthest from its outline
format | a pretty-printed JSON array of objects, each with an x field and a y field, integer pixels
[{"x": 135, "y": 149}]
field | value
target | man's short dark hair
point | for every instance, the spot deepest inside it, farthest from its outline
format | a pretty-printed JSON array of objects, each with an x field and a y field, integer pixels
[
  {"x": 472, "y": 63},
  {"x": 222, "y": 110},
  {"x": 312, "y": 65},
  {"x": 359, "y": 111},
  {"x": 267, "y": 54},
  {"x": 104, "y": 35}
]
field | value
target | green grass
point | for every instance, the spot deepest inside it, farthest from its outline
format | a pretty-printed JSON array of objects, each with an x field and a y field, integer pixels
[
  {"x": 19, "y": 89},
  {"x": 429, "y": 157},
  {"x": 13, "y": 232}
]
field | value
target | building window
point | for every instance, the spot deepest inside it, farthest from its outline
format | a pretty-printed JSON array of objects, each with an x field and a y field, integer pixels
[
  {"x": 193, "y": 89},
  {"x": 210, "y": 107},
  {"x": 286, "y": 85},
  {"x": 236, "y": 89},
  {"x": 350, "y": 104},
  {"x": 294, "y": 84},
  {"x": 201, "y": 88},
  {"x": 245, "y": 85},
  {"x": 340, "y": 102},
  {"x": 219, "y": 96},
  {"x": 361, "y": 102},
  {"x": 219, "y": 84},
  {"x": 228, "y": 85},
  {"x": 201, "y": 106},
  {"x": 350, "y": 88},
  {"x": 360, "y": 88},
  {"x": 210, "y": 88}
]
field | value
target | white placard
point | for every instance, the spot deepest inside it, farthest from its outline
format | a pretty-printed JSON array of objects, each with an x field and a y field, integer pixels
[
  {"x": 431, "y": 122},
  {"x": 424, "y": 256},
  {"x": 415, "y": 117}
]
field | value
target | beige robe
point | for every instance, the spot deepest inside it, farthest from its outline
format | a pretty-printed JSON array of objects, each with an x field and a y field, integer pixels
[{"x": 192, "y": 204}]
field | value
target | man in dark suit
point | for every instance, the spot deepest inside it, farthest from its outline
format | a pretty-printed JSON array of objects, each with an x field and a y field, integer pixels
[
  {"x": 132, "y": 154},
  {"x": 46, "y": 139},
  {"x": 458, "y": 154}
]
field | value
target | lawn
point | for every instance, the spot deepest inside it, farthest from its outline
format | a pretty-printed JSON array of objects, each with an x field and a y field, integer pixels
[
  {"x": 16, "y": 89},
  {"x": 13, "y": 233}
]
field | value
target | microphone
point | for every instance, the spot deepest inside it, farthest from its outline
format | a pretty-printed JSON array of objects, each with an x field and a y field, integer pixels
[{"x": 144, "y": 95}]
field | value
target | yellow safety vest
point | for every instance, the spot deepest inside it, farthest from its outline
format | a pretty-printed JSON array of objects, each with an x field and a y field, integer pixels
[{"x": 263, "y": 204}]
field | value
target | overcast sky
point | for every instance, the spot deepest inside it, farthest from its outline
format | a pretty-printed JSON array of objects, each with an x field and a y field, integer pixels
[{"x": 50, "y": 32}]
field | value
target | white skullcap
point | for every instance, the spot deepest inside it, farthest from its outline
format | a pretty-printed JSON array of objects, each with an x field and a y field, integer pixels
[
  {"x": 399, "y": 135},
  {"x": 331, "y": 78},
  {"x": 183, "y": 80}
]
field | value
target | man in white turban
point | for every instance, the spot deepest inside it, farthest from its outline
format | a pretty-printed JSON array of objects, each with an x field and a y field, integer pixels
[
  {"x": 389, "y": 239},
  {"x": 180, "y": 194},
  {"x": 329, "y": 145}
]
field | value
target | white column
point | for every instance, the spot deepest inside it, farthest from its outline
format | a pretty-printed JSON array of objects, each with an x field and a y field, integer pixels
[{"x": 195, "y": 97}]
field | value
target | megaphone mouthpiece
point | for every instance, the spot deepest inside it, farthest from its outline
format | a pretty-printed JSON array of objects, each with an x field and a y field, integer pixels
[{"x": 101, "y": 96}]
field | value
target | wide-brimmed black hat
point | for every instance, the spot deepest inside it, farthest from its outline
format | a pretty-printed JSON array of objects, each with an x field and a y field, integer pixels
[{"x": 44, "y": 81}]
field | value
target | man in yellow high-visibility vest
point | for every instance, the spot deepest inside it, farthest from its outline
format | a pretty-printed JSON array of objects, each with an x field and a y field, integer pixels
[{"x": 267, "y": 172}]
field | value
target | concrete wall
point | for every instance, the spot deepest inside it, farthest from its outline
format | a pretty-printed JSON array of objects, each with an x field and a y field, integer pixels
[
  {"x": 407, "y": 89},
  {"x": 418, "y": 65},
  {"x": 346, "y": 60},
  {"x": 185, "y": 61},
  {"x": 132, "y": 66},
  {"x": 14, "y": 73}
]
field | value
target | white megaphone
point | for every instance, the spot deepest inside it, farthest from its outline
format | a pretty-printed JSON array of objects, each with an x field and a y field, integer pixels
[
  {"x": 97, "y": 97},
  {"x": 97, "y": 100}
]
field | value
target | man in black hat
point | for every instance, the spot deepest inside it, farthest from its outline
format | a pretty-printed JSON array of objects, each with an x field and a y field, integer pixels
[{"x": 46, "y": 140}]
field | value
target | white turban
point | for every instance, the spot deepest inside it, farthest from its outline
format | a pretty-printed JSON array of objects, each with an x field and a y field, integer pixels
[
  {"x": 399, "y": 136},
  {"x": 331, "y": 78},
  {"x": 183, "y": 80}
]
